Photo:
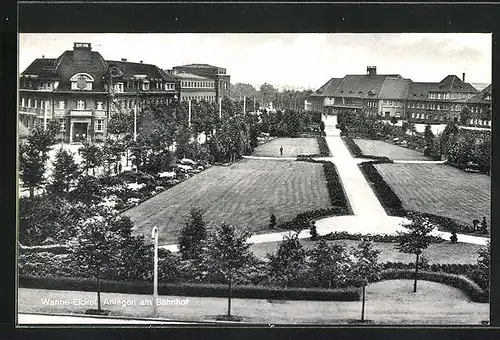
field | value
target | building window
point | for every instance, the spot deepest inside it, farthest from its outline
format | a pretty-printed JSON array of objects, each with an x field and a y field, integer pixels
[
  {"x": 61, "y": 104},
  {"x": 145, "y": 86},
  {"x": 22, "y": 102},
  {"x": 80, "y": 105},
  {"x": 99, "y": 106},
  {"x": 99, "y": 125},
  {"x": 119, "y": 87}
]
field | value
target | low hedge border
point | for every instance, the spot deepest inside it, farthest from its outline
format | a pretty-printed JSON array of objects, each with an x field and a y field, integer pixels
[
  {"x": 357, "y": 153},
  {"x": 389, "y": 200},
  {"x": 304, "y": 220},
  {"x": 449, "y": 224},
  {"x": 473, "y": 291},
  {"x": 192, "y": 289},
  {"x": 324, "y": 150},
  {"x": 336, "y": 192},
  {"x": 344, "y": 235}
]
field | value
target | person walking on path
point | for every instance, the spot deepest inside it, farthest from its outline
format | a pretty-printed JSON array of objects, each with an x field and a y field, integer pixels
[{"x": 281, "y": 150}]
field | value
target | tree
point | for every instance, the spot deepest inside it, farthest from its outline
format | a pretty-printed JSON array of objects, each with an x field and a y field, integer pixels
[
  {"x": 192, "y": 234},
  {"x": 429, "y": 140},
  {"x": 322, "y": 127},
  {"x": 65, "y": 172},
  {"x": 314, "y": 232},
  {"x": 415, "y": 239},
  {"x": 465, "y": 115},
  {"x": 272, "y": 222},
  {"x": 92, "y": 156},
  {"x": 227, "y": 252},
  {"x": 394, "y": 120},
  {"x": 34, "y": 155},
  {"x": 268, "y": 93},
  {"x": 94, "y": 247},
  {"x": 364, "y": 268},
  {"x": 288, "y": 262},
  {"x": 328, "y": 264}
]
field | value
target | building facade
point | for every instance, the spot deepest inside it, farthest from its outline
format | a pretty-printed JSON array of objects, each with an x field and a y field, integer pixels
[
  {"x": 391, "y": 95},
  {"x": 194, "y": 87},
  {"x": 222, "y": 80},
  {"x": 81, "y": 90}
]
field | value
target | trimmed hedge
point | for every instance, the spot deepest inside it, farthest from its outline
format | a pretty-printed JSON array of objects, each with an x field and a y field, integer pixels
[
  {"x": 352, "y": 147},
  {"x": 473, "y": 291},
  {"x": 303, "y": 220},
  {"x": 389, "y": 200},
  {"x": 192, "y": 289},
  {"x": 335, "y": 188},
  {"x": 344, "y": 235},
  {"x": 449, "y": 224},
  {"x": 324, "y": 150},
  {"x": 357, "y": 153}
]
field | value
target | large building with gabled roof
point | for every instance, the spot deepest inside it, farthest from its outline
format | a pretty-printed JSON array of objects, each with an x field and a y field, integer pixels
[
  {"x": 81, "y": 90},
  {"x": 391, "y": 95}
]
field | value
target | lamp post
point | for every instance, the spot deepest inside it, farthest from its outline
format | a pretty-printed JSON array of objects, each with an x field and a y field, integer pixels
[
  {"x": 63, "y": 130},
  {"x": 154, "y": 235}
]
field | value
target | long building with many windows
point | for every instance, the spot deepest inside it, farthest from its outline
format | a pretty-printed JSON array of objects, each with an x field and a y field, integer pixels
[{"x": 391, "y": 95}]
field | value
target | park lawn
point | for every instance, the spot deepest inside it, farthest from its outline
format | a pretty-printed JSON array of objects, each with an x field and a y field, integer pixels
[
  {"x": 439, "y": 253},
  {"x": 391, "y": 151},
  {"x": 291, "y": 147},
  {"x": 243, "y": 194},
  {"x": 387, "y": 302},
  {"x": 440, "y": 190}
]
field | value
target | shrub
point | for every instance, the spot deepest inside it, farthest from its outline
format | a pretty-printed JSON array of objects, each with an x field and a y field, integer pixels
[
  {"x": 473, "y": 291},
  {"x": 190, "y": 289},
  {"x": 389, "y": 200},
  {"x": 353, "y": 147},
  {"x": 324, "y": 151},
  {"x": 335, "y": 188}
]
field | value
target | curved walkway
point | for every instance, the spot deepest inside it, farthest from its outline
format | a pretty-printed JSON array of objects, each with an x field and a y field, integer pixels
[{"x": 369, "y": 215}]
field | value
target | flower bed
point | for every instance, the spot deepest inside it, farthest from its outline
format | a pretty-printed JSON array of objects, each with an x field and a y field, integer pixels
[
  {"x": 344, "y": 235},
  {"x": 303, "y": 220}
]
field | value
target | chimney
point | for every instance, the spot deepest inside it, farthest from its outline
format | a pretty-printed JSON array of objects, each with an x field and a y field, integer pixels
[
  {"x": 43, "y": 57},
  {"x": 371, "y": 70},
  {"x": 124, "y": 59},
  {"x": 463, "y": 77},
  {"x": 141, "y": 61}
]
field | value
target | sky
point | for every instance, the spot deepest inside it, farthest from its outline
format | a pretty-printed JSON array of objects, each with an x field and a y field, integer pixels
[{"x": 287, "y": 60}]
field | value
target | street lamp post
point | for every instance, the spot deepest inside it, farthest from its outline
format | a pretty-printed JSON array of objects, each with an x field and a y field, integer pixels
[
  {"x": 155, "y": 271},
  {"x": 63, "y": 130}
]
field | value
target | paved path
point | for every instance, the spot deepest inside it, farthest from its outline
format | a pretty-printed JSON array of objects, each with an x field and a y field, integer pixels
[{"x": 271, "y": 158}]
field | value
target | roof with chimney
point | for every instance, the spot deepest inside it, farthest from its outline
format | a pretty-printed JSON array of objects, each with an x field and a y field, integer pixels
[
  {"x": 197, "y": 66},
  {"x": 420, "y": 90},
  {"x": 480, "y": 98},
  {"x": 452, "y": 83}
]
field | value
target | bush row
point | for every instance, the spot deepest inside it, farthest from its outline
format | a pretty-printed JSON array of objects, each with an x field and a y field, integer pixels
[
  {"x": 344, "y": 235},
  {"x": 450, "y": 268},
  {"x": 324, "y": 150},
  {"x": 303, "y": 220},
  {"x": 389, "y": 200},
  {"x": 353, "y": 147},
  {"x": 473, "y": 291},
  {"x": 335, "y": 188},
  {"x": 191, "y": 289}
]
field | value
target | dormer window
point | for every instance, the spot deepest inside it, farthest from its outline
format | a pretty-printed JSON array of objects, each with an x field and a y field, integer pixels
[
  {"x": 82, "y": 82},
  {"x": 145, "y": 85}
]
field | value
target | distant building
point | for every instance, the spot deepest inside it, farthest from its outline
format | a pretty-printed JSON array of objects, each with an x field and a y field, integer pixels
[
  {"x": 80, "y": 90},
  {"x": 391, "y": 95},
  {"x": 217, "y": 74},
  {"x": 194, "y": 87}
]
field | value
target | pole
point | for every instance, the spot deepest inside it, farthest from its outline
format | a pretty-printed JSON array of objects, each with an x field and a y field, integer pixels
[
  {"x": 44, "y": 115},
  {"x": 416, "y": 275},
  {"x": 135, "y": 122},
  {"x": 254, "y": 105},
  {"x": 244, "y": 105},
  {"x": 189, "y": 113},
  {"x": 220, "y": 108},
  {"x": 155, "y": 272}
]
